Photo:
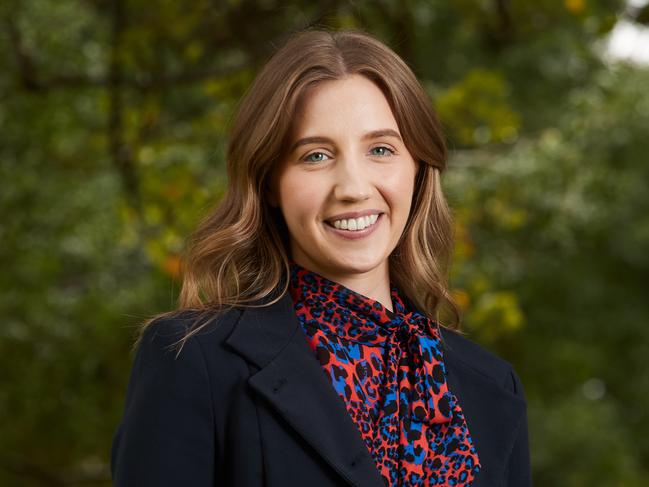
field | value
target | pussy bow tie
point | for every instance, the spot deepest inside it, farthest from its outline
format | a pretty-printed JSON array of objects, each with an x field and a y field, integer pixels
[{"x": 415, "y": 369}]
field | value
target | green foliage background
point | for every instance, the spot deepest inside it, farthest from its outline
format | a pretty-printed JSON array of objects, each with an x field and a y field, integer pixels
[{"x": 113, "y": 123}]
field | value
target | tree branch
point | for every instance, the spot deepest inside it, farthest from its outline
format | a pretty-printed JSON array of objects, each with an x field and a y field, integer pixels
[
  {"x": 30, "y": 80},
  {"x": 120, "y": 152}
]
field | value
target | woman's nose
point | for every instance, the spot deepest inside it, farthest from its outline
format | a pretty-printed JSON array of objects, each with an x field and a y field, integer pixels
[{"x": 352, "y": 181}]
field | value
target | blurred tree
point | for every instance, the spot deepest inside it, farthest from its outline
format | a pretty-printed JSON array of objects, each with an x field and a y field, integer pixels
[
  {"x": 560, "y": 224},
  {"x": 112, "y": 146}
]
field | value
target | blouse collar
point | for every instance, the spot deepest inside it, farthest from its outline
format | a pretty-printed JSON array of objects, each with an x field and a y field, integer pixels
[{"x": 307, "y": 284}]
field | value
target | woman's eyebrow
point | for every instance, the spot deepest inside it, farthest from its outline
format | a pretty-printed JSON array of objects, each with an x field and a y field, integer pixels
[{"x": 374, "y": 134}]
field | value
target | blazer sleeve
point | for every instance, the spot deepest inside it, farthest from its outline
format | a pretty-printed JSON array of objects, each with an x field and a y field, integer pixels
[
  {"x": 518, "y": 472},
  {"x": 166, "y": 435}
]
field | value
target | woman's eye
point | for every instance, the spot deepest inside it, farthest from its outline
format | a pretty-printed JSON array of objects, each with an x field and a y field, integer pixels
[
  {"x": 310, "y": 158},
  {"x": 384, "y": 150}
]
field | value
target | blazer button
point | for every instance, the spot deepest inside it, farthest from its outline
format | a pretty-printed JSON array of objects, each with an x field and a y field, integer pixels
[
  {"x": 279, "y": 384},
  {"x": 357, "y": 459}
]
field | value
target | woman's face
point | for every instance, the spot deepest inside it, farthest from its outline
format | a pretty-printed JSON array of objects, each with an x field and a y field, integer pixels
[{"x": 346, "y": 160}]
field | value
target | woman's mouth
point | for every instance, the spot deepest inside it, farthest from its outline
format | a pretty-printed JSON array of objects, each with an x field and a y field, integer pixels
[{"x": 350, "y": 228}]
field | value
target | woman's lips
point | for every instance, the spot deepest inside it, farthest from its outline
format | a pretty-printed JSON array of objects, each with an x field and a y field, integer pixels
[{"x": 355, "y": 234}]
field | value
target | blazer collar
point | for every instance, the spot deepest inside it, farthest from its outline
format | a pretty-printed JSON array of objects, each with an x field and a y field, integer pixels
[{"x": 292, "y": 380}]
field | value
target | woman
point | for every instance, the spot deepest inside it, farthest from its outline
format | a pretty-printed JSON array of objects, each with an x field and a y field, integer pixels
[{"x": 307, "y": 348}]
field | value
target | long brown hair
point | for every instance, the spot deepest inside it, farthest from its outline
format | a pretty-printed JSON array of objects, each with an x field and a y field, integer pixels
[{"x": 238, "y": 254}]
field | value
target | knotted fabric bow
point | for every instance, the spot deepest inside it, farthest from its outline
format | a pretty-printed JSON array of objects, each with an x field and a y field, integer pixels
[
  {"x": 414, "y": 427},
  {"x": 414, "y": 360}
]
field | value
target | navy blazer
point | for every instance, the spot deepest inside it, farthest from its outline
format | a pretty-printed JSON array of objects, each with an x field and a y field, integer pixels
[{"x": 246, "y": 404}]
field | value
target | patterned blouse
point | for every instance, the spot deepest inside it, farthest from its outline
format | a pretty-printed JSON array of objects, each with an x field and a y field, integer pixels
[{"x": 388, "y": 368}]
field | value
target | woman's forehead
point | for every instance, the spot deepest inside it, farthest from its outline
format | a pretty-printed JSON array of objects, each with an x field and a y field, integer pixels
[{"x": 352, "y": 105}]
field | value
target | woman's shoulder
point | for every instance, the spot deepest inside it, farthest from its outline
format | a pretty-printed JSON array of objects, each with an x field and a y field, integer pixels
[
  {"x": 465, "y": 352},
  {"x": 166, "y": 330}
]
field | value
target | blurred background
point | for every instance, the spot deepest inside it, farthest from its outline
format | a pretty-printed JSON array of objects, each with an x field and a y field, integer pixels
[{"x": 113, "y": 126}]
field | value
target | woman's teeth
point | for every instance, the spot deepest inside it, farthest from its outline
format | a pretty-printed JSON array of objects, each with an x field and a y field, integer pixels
[{"x": 354, "y": 224}]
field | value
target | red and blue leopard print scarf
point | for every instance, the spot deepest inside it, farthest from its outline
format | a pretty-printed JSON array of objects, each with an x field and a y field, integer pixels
[{"x": 388, "y": 367}]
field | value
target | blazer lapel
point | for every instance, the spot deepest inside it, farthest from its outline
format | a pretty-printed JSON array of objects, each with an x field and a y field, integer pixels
[
  {"x": 493, "y": 413},
  {"x": 292, "y": 380}
]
